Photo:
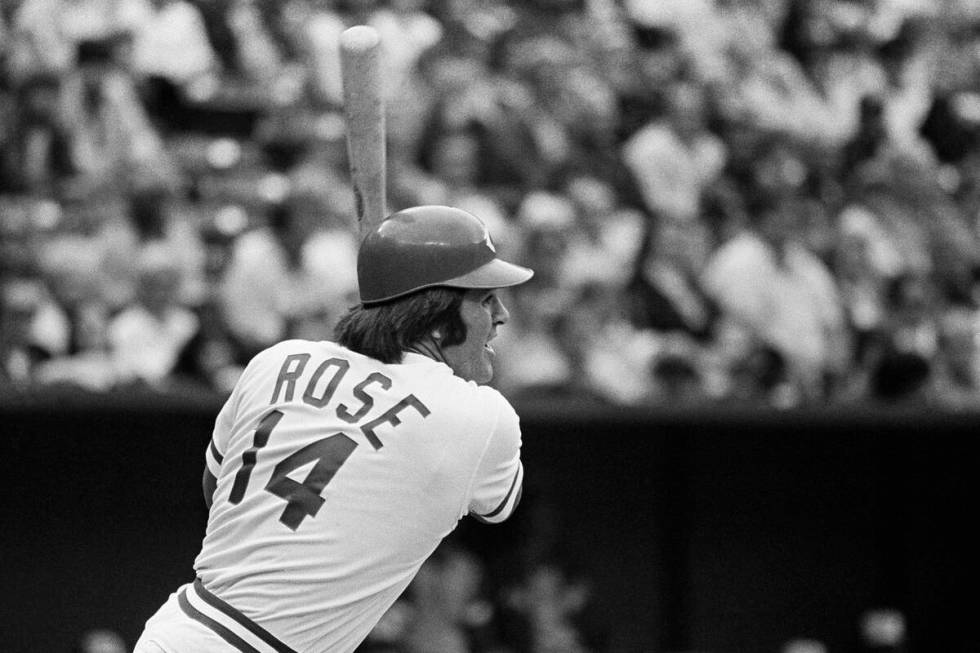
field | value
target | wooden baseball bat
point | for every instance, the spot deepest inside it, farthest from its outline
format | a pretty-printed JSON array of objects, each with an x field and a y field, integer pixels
[{"x": 360, "y": 59}]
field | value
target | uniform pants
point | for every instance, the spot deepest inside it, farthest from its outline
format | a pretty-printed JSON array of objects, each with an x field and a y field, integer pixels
[{"x": 195, "y": 621}]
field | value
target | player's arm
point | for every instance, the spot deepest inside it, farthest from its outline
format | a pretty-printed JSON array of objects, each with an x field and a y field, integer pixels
[
  {"x": 212, "y": 467},
  {"x": 499, "y": 480},
  {"x": 210, "y": 485},
  {"x": 214, "y": 454},
  {"x": 508, "y": 503}
]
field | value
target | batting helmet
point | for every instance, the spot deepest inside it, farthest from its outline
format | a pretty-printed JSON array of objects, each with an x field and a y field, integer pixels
[{"x": 427, "y": 246}]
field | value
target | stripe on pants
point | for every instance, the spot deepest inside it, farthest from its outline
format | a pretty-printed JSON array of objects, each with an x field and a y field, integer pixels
[{"x": 219, "y": 613}]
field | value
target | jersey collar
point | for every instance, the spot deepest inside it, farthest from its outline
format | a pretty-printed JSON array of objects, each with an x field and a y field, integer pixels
[{"x": 413, "y": 358}]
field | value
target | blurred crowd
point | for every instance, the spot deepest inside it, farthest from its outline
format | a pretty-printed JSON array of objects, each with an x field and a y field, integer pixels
[
  {"x": 549, "y": 606},
  {"x": 453, "y": 607},
  {"x": 749, "y": 202},
  {"x": 458, "y": 603}
]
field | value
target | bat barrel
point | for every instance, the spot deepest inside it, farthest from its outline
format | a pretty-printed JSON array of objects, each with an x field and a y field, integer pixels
[{"x": 364, "y": 111}]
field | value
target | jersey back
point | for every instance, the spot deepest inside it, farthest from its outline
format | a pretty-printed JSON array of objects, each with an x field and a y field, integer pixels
[{"x": 337, "y": 476}]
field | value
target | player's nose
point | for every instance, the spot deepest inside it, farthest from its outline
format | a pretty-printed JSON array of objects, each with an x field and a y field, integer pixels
[{"x": 500, "y": 313}]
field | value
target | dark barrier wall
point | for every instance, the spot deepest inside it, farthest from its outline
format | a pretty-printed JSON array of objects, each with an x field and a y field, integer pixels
[{"x": 708, "y": 531}]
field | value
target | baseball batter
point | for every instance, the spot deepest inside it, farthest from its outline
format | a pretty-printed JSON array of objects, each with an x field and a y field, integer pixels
[{"x": 336, "y": 468}]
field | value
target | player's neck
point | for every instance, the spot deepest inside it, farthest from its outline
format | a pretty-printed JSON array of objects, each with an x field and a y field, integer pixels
[{"x": 429, "y": 348}]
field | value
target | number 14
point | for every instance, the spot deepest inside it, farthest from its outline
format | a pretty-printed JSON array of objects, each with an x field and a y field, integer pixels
[{"x": 302, "y": 499}]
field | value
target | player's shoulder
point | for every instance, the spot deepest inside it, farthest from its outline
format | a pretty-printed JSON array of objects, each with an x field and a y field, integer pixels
[
  {"x": 489, "y": 396},
  {"x": 297, "y": 345},
  {"x": 500, "y": 409},
  {"x": 482, "y": 395},
  {"x": 467, "y": 415},
  {"x": 468, "y": 401}
]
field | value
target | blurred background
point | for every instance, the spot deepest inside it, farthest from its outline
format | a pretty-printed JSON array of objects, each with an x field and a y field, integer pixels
[{"x": 748, "y": 366}]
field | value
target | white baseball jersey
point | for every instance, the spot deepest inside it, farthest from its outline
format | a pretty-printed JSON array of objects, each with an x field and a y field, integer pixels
[{"x": 337, "y": 477}]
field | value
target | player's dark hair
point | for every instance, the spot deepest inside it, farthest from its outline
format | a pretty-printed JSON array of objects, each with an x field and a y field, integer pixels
[{"x": 386, "y": 330}]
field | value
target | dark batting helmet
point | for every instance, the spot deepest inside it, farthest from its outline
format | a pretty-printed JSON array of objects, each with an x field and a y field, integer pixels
[{"x": 428, "y": 246}]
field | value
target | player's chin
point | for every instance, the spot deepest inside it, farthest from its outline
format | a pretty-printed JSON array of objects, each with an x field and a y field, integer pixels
[{"x": 484, "y": 372}]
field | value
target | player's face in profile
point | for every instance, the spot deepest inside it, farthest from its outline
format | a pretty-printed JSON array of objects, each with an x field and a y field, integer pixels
[{"x": 482, "y": 312}]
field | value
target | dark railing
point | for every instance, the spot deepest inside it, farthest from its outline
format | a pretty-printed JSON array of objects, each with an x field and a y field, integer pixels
[{"x": 707, "y": 530}]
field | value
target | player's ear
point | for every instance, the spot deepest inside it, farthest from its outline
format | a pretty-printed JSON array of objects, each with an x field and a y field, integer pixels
[{"x": 437, "y": 334}]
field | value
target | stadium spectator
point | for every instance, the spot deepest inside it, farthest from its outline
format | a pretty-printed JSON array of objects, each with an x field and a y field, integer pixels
[
  {"x": 913, "y": 315},
  {"x": 763, "y": 86},
  {"x": 170, "y": 42},
  {"x": 758, "y": 377},
  {"x": 675, "y": 157},
  {"x": 38, "y": 156},
  {"x": 665, "y": 289},
  {"x": 75, "y": 322},
  {"x": 21, "y": 300},
  {"x": 450, "y": 172},
  {"x": 72, "y": 271},
  {"x": 590, "y": 105},
  {"x": 869, "y": 139},
  {"x": 549, "y": 609},
  {"x": 114, "y": 137},
  {"x": 902, "y": 379},
  {"x": 312, "y": 29},
  {"x": 408, "y": 32},
  {"x": 861, "y": 282},
  {"x": 577, "y": 113},
  {"x": 284, "y": 277},
  {"x": 608, "y": 230},
  {"x": 156, "y": 316},
  {"x": 100, "y": 640},
  {"x": 611, "y": 358},
  {"x": 450, "y": 610},
  {"x": 257, "y": 54},
  {"x": 586, "y": 322},
  {"x": 691, "y": 28},
  {"x": 767, "y": 281},
  {"x": 42, "y": 41},
  {"x": 494, "y": 103},
  {"x": 150, "y": 215},
  {"x": 958, "y": 361},
  {"x": 677, "y": 381},
  {"x": 171, "y": 54}
]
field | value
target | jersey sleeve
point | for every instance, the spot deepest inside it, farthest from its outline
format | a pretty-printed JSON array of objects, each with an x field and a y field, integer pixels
[
  {"x": 219, "y": 437},
  {"x": 225, "y": 422},
  {"x": 214, "y": 454},
  {"x": 499, "y": 479}
]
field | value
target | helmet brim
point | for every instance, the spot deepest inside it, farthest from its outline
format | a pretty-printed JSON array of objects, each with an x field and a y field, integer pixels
[{"x": 494, "y": 274}]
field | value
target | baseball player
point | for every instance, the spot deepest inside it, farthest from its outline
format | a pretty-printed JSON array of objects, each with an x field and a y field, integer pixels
[{"x": 336, "y": 468}]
